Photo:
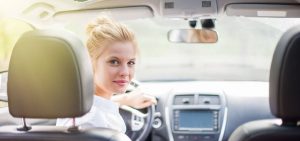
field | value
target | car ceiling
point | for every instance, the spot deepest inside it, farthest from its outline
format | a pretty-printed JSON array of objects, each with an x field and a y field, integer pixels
[
  {"x": 43, "y": 12},
  {"x": 67, "y": 5}
]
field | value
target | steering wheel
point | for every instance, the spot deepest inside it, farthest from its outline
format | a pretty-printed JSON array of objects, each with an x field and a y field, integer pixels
[{"x": 138, "y": 123}]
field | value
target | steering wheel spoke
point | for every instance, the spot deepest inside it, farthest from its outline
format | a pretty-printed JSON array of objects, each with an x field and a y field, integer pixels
[
  {"x": 140, "y": 123},
  {"x": 137, "y": 122}
]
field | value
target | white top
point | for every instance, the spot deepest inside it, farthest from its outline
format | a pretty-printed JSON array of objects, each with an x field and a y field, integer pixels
[{"x": 104, "y": 113}]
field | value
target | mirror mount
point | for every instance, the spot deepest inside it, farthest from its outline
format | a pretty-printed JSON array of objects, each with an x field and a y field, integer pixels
[
  {"x": 207, "y": 23},
  {"x": 193, "y": 23}
]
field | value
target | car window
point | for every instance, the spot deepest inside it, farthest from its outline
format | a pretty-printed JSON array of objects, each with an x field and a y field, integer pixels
[
  {"x": 3, "y": 104},
  {"x": 3, "y": 90},
  {"x": 243, "y": 52},
  {"x": 10, "y": 31}
]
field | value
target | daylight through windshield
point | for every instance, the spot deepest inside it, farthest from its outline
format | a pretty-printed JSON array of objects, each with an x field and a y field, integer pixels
[{"x": 243, "y": 52}]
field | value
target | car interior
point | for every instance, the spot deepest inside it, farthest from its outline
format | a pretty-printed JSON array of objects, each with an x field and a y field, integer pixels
[
  {"x": 283, "y": 96},
  {"x": 221, "y": 70},
  {"x": 34, "y": 91}
]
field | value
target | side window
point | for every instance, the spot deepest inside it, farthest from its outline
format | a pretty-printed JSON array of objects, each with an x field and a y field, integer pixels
[
  {"x": 10, "y": 31},
  {"x": 3, "y": 90},
  {"x": 3, "y": 104}
]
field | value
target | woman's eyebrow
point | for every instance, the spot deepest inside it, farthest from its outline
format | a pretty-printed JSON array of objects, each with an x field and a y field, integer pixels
[{"x": 113, "y": 57}]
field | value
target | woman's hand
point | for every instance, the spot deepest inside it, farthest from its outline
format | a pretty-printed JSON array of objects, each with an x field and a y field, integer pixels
[{"x": 136, "y": 99}]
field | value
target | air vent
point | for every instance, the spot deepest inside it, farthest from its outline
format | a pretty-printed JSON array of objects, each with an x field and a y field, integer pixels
[
  {"x": 184, "y": 100},
  {"x": 208, "y": 100}
]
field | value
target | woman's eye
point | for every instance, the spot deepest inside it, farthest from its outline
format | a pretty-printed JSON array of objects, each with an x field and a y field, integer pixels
[
  {"x": 131, "y": 63},
  {"x": 114, "y": 62}
]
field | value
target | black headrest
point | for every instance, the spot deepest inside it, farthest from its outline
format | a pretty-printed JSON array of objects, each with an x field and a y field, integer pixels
[
  {"x": 49, "y": 76},
  {"x": 285, "y": 76}
]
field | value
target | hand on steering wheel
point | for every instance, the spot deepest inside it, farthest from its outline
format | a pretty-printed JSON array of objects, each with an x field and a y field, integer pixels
[
  {"x": 138, "y": 124},
  {"x": 139, "y": 100}
]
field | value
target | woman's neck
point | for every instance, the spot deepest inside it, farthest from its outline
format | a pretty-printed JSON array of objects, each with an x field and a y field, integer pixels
[{"x": 102, "y": 93}]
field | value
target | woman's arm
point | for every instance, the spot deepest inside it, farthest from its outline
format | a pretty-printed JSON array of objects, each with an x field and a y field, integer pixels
[{"x": 136, "y": 99}]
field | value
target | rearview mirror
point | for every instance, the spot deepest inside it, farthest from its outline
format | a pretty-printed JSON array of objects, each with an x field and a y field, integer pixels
[{"x": 192, "y": 36}]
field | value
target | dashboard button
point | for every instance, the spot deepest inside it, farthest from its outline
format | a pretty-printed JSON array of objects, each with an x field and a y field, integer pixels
[
  {"x": 180, "y": 137},
  {"x": 195, "y": 138}
]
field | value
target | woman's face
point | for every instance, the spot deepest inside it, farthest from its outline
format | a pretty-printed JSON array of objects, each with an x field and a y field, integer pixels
[{"x": 115, "y": 67}]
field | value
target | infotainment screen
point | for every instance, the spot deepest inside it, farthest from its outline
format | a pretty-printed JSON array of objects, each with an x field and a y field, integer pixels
[{"x": 195, "y": 120}]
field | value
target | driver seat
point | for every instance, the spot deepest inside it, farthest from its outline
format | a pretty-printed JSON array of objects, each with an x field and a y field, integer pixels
[
  {"x": 50, "y": 76},
  {"x": 284, "y": 96}
]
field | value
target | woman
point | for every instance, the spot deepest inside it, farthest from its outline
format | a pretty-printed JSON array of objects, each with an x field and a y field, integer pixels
[{"x": 113, "y": 51}]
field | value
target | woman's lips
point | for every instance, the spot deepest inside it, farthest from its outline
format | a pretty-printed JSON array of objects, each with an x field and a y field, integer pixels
[{"x": 121, "y": 82}]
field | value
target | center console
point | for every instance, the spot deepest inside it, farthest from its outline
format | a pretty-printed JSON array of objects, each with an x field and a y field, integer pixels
[{"x": 197, "y": 116}]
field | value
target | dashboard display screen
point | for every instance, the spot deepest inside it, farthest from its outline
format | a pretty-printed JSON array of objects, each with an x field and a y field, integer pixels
[{"x": 195, "y": 120}]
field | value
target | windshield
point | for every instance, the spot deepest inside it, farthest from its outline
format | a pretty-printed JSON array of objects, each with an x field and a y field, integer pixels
[{"x": 243, "y": 52}]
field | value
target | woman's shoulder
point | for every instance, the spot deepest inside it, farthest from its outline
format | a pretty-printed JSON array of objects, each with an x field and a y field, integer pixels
[
  {"x": 105, "y": 105},
  {"x": 94, "y": 118}
]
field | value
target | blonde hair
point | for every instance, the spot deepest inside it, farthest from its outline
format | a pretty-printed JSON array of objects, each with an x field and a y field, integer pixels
[{"x": 103, "y": 31}]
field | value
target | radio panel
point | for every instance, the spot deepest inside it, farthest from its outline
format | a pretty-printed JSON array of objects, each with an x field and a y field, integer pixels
[
  {"x": 189, "y": 120},
  {"x": 197, "y": 116}
]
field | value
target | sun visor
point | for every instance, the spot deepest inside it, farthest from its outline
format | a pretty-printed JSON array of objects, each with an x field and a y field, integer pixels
[
  {"x": 263, "y": 10},
  {"x": 121, "y": 14}
]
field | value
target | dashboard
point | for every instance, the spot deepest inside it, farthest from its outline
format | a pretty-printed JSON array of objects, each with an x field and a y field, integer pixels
[
  {"x": 195, "y": 110},
  {"x": 209, "y": 111}
]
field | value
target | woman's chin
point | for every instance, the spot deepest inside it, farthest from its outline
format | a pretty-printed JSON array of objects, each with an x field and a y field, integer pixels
[{"x": 120, "y": 91}]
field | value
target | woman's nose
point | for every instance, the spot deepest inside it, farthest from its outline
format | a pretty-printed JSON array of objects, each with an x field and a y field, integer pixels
[{"x": 124, "y": 70}]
